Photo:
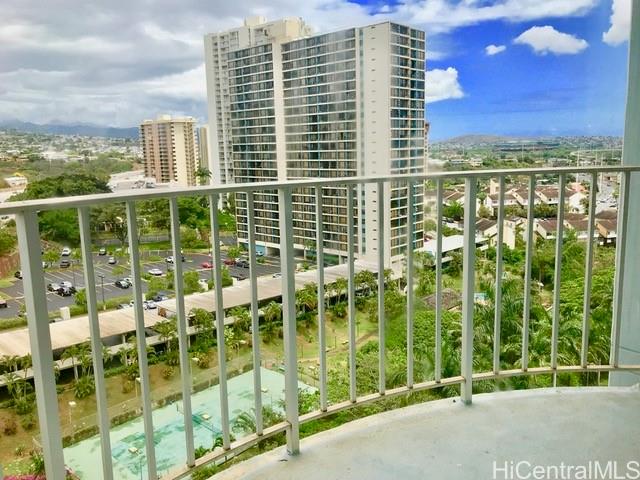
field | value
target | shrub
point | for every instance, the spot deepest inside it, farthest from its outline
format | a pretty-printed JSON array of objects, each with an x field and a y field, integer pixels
[
  {"x": 23, "y": 405},
  {"x": 84, "y": 387},
  {"x": 204, "y": 473},
  {"x": 9, "y": 426},
  {"x": 201, "y": 451},
  {"x": 127, "y": 386},
  {"x": 168, "y": 372},
  {"x": 28, "y": 422},
  {"x": 203, "y": 360}
]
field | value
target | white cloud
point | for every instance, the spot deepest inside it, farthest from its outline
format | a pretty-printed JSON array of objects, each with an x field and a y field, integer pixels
[
  {"x": 620, "y": 23},
  {"x": 442, "y": 85},
  {"x": 494, "y": 49},
  {"x": 547, "y": 39},
  {"x": 132, "y": 62}
]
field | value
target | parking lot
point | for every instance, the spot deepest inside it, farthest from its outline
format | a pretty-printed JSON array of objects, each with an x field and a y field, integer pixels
[{"x": 105, "y": 278}]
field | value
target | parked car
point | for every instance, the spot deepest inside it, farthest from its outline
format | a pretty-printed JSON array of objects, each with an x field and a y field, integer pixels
[
  {"x": 122, "y": 306},
  {"x": 65, "y": 263},
  {"x": 53, "y": 287},
  {"x": 112, "y": 261},
  {"x": 159, "y": 297},
  {"x": 156, "y": 272},
  {"x": 276, "y": 275},
  {"x": 3, "y": 303},
  {"x": 102, "y": 251},
  {"x": 122, "y": 283},
  {"x": 68, "y": 285},
  {"x": 259, "y": 253},
  {"x": 242, "y": 263},
  {"x": 149, "y": 305},
  {"x": 18, "y": 274},
  {"x": 203, "y": 283},
  {"x": 64, "y": 292},
  {"x": 66, "y": 251},
  {"x": 229, "y": 261},
  {"x": 239, "y": 276},
  {"x": 206, "y": 265}
]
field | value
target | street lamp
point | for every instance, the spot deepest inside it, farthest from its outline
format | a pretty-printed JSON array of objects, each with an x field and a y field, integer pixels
[
  {"x": 104, "y": 304},
  {"x": 72, "y": 405}
]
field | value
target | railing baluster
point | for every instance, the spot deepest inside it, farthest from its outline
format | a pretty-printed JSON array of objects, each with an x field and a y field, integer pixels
[
  {"x": 527, "y": 274},
  {"x": 497, "y": 296},
  {"x": 96, "y": 342},
  {"x": 181, "y": 323},
  {"x": 219, "y": 300},
  {"x": 586, "y": 307},
  {"x": 381, "y": 320},
  {"x": 438, "y": 332},
  {"x": 557, "y": 275},
  {"x": 410, "y": 267},
  {"x": 621, "y": 237},
  {"x": 141, "y": 341},
  {"x": 255, "y": 315},
  {"x": 322, "y": 339},
  {"x": 287, "y": 265},
  {"x": 351, "y": 294},
  {"x": 468, "y": 287},
  {"x": 35, "y": 301}
]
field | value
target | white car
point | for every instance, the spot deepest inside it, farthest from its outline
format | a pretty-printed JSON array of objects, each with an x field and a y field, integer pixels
[
  {"x": 203, "y": 283},
  {"x": 66, "y": 251},
  {"x": 156, "y": 272},
  {"x": 66, "y": 284},
  {"x": 169, "y": 259},
  {"x": 149, "y": 305}
]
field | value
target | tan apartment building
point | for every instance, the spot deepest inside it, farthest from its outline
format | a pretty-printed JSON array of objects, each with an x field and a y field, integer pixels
[{"x": 170, "y": 150}]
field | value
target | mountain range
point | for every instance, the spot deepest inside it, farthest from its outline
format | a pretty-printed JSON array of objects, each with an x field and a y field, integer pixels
[{"x": 87, "y": 130}]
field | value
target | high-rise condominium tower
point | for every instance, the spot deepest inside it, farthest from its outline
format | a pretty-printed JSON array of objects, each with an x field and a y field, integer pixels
[
  {"x": 169, "y": 149},
  {"x": 255, "y": 31},
  {"x": 342, "y": 104}
]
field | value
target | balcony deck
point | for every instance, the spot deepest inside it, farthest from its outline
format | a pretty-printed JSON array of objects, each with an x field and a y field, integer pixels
[{"x": 448, "y": 440}]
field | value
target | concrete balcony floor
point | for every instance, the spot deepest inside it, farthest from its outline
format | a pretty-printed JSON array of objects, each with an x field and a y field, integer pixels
[{"x": 447, "y": 440}]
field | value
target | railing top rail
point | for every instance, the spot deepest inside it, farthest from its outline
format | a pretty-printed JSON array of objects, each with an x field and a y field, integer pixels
[{"x": 105, "y": 198}]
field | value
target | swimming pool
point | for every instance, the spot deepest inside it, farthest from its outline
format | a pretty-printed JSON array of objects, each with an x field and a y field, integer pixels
[{"x": 128, "y": 441}]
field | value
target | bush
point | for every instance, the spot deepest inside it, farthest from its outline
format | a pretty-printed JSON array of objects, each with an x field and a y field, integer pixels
[
  {"x": 9, "y": 426},
  {"x": 204, "y": 473},
  {"x": 127, "y": 386},
  {"x": 8, "y": 323},
  {"x": 84, "y": 387},
  {"x": 203, "y": 360},
  {"x": 201, "y": 451},
  {"x": 168, "y": 372},
  {"x": 28, "y": 422},
  {"x": 23, "y": 405}
]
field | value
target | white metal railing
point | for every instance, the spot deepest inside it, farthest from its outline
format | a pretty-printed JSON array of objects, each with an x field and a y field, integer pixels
[{"x": 36, "y": 304}]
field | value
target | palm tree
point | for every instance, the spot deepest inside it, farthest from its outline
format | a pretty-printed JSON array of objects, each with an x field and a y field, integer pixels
[
  {"x": 72, "y": 353},
  {"x": 272, "y": 316},
  {"x": 341, "y": 285},
  {"x": 242, "y": 319}
]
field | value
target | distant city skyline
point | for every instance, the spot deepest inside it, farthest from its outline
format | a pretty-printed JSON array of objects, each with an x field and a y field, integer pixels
[{"x": 512, "y": 67}]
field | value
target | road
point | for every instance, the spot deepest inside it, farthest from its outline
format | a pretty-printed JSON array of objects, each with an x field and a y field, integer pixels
[{"x": 105, "y": 279}]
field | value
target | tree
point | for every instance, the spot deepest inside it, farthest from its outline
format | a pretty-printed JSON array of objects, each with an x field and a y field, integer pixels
[
  {"x": 272, "y": 318},
  {"x": 203, "y": 175},
  {"x": 7, "y": 241},
  {"x": 242, "y": 319},
  {"x": 234, "y": 252},
  {"x": 455, "y": 211}
]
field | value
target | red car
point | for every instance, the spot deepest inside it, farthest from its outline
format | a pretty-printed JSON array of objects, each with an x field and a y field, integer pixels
[
  {"x": 206, "y": 265},
  {"x": 229, "y": 261}
]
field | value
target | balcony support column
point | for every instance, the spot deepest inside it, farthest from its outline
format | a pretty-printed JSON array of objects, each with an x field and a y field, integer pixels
[
  {"x": 35, "y": 301},
  {"x": 468, "y": 287},
  {"x": 628, "y": 320}
]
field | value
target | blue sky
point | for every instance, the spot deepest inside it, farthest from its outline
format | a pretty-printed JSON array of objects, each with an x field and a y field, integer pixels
[
  {"x": 519, "y": 92},
  {"x": 559, "y": 66}
]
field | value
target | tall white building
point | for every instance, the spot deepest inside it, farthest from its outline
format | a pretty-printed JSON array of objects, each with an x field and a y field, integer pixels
[
  {"x": 255, "y": 31},
  {"x": 342, "y": 104},
  {"x": 169, "y": 149}
]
